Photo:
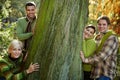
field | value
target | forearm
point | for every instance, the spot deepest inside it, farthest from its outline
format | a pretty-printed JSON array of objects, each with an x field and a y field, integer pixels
[
  {"x": 24, "y": 36},
  {"x": 19, "y": 76},
  {"x": 85, "y": 60}
]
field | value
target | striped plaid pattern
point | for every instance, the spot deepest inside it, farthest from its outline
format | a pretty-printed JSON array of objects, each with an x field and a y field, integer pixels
[
  {"x": 10, "y": 69},
  {"x": 104, "y": 62}
]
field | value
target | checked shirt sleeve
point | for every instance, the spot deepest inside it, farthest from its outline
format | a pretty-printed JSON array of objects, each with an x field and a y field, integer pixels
[{"x": 108, "y": 49}]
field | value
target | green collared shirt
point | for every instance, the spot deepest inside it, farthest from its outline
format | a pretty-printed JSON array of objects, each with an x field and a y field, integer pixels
[{"x": 20, "y": 31}]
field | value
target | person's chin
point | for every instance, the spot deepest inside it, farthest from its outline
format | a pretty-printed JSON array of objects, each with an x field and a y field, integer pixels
[
  {"x": 32, "y": 16},
  {"x": 16, "y": 57}
]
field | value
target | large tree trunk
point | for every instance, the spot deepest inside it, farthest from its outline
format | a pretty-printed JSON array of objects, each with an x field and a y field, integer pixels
[{"x": 58, "y": 40}]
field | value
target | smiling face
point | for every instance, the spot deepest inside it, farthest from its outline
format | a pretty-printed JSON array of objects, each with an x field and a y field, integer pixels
[
  {"x": 88, "y": 33},
  {"x": 30, "y": 11},
  {"x": 103, "y": 23},
  {"x": 15, "y": 52},
  {"x": 102, "y": 26},
  {"x": 15, "y": 49}
]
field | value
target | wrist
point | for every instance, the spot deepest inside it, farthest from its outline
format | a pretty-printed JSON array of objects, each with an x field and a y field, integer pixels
[
  {"x": 27, "y": 71},
  {"x": 86, "y": 61}
]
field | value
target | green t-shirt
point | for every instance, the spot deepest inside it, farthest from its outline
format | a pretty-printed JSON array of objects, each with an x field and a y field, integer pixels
[{"x": 89, "y": 47}]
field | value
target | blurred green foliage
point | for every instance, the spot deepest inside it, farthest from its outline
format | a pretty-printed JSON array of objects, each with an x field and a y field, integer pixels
[
  {"x": 10, "y": 11},
  {"x": 6, "y": 35}
]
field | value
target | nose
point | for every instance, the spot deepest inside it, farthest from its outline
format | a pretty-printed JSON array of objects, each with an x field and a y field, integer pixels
[
  {"x": 17, "y": 51},
  {"x": 101, "y": 25},
  {"x": 89, "y": 33}
]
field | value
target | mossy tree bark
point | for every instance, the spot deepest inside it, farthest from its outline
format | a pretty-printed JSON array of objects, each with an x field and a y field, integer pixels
[{"x": 58, "y": 40}]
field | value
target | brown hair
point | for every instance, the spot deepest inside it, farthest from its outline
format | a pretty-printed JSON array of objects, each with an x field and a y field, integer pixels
[
  {"x": 30, "y": 3},
  {"x": 104, "y": 18},
  {"x": 91, "y": 26}
]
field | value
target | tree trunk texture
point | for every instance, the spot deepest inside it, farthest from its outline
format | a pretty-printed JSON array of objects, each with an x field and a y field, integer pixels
[{"x": 58, "y": 40}]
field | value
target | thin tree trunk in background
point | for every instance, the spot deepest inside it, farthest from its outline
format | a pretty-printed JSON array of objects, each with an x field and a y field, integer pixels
[{"x": 58, "y": 40}]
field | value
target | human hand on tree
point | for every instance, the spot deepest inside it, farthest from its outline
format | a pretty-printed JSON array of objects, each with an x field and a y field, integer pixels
[
  {"x": 32, "y": 68},
  {"x": 83, "y": 57}
]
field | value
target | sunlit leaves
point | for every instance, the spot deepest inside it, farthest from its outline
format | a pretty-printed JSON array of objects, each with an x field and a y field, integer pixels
[
  {"x": 6, "y": 35},
  {"x": 111, "y": 8}
]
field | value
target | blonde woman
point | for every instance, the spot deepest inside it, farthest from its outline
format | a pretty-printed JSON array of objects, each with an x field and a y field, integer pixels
[{"x": 10, "y": 65}]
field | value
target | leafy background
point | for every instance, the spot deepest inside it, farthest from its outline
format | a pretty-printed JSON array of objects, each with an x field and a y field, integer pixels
[{"x": 11, "y": 10}]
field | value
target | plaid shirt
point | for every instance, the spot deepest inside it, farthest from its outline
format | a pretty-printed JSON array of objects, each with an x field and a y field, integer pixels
[{"x": 104, "y": 62}]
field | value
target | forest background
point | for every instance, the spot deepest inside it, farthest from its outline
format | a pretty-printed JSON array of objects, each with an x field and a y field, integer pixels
[{"x": 11, "y": 10}]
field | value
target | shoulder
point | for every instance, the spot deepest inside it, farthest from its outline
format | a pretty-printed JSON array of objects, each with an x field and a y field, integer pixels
[
  {"x": 22, "y": 19},
  {"x": 113, "y": 37},
  {"x": 91, "y": 40},
  {"x": 4, "y": 63},
  {"x": 3, "y": 59}
]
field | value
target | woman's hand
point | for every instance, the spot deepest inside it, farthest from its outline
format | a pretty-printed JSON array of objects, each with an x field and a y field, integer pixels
[
  {"x": 85, "y": 60},
  {"x": 32, "y": 68},
  {"x": 82, "y": 56}
]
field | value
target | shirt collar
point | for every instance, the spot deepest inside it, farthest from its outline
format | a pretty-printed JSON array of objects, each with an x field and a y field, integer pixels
[{"x": 29, "y": 20}]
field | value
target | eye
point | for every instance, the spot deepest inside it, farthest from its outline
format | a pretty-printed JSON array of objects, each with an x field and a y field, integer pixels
[
  {"x": 14, "y": 49},
  {"x": 91, "y": 32},
  {"x": 87, "y": 30},
  {"x": 19, "y": 49},
  {"x": 104, "y": 24},
  {"x": 99, "y": 24}
]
